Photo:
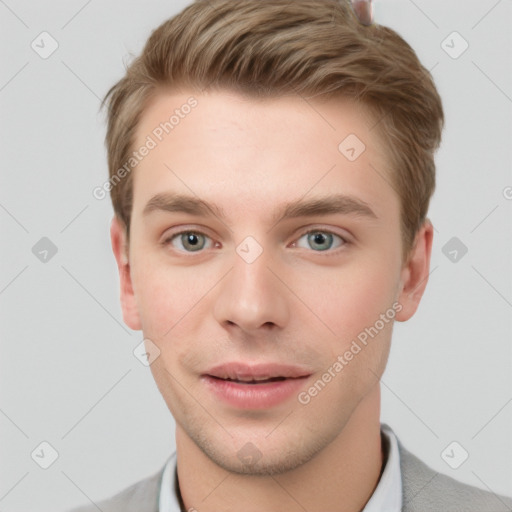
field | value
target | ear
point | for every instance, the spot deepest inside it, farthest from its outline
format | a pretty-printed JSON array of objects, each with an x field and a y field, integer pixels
[
  {"x": 131, "y": 315},
  {"x": 415, "y": 272}
]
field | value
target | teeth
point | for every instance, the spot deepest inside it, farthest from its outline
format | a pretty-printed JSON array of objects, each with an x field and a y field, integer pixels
[{"x": 255, "y": 379}]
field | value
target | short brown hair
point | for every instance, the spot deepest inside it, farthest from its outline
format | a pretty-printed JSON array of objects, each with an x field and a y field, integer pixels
[{"x": 262, "y": 48}]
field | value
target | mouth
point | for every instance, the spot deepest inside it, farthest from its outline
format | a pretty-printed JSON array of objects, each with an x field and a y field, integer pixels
[
  {"x": 254, "y": 386},
  {"x": 256, "y": 372},
  {"x": 250, "y": 381}
]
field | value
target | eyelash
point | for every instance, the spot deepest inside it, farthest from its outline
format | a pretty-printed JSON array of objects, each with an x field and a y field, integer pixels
[{"x": 327, "y": 252}]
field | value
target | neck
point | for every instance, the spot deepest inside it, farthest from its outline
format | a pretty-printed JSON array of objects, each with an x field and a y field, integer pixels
[{"x": 342, "y": 477}]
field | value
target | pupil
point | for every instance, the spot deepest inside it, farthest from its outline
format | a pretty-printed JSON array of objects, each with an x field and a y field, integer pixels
[
  {"x": 320, "y": 239},
  {"x": 192, "y": 241}
]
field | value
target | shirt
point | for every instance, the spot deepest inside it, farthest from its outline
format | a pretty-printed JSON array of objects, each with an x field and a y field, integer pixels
[{"x": 387, "y": 496}]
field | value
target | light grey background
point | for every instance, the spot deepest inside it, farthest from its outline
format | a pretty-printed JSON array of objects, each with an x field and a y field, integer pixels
[{"x": 68, "y": 375}]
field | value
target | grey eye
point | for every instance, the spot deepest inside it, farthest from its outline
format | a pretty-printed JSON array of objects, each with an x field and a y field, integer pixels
[
  {"x": 321, "y": 240},
  {"x": 189, "y": 241}
]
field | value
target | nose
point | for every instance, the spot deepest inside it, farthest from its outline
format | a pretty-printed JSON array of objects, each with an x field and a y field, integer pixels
[{"x": 251, "y": 297}]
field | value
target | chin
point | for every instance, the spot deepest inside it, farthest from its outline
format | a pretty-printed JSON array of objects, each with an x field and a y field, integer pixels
[{"x": 264, "y": 454}]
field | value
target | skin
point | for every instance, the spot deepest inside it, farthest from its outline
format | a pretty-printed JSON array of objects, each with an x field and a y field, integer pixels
[
  {"x": 363, "y": 9},
  {"x": 295, "y": 304}
]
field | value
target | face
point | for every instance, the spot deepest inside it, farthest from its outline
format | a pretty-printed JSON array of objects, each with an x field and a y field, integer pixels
[{"x": 265, "y": 265}]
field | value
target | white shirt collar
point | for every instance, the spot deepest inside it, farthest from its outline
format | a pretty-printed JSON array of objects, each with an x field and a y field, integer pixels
[
  {"x": 168, "y": 501},
  {"x": 387, "y": 496}
]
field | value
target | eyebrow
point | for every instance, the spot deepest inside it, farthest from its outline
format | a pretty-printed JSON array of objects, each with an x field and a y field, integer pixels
[{"x": 328, "y": 205}]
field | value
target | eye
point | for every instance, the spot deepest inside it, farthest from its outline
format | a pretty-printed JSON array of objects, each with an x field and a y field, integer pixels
[
  {"x": 195, "y": 241},
  {"x": 188, "y": 241},
  {"x": 321, "y": 240}
]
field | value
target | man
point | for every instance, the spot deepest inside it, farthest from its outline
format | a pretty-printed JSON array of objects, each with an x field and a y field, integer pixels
[{"x": 271, "y": 166}]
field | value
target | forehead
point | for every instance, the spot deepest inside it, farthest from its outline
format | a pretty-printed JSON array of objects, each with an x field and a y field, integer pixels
[{"x": 254, "y": 154}]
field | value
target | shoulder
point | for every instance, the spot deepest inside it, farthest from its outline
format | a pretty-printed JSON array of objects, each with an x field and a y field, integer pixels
[
  {"x": 142, "y": 496},
  {"x": 425, "y": 489}
]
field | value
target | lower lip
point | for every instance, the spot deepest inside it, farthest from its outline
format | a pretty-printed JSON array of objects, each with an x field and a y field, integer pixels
[{"x": 254, "y": 396}]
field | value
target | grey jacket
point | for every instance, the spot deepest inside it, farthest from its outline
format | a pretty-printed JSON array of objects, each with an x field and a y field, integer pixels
[{"x": 423, "y": 490}]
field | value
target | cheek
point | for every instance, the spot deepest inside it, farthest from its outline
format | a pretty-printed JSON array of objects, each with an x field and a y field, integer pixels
[
  {"x": 164, "y": 295},
  {"x": 349, "y": 299},
  {"x": 358, "y": 308},
  {"x": 175, "y": 307}
]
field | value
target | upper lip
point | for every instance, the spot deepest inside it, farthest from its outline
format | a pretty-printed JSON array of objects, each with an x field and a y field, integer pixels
[{"x": 245, "y": 371}]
